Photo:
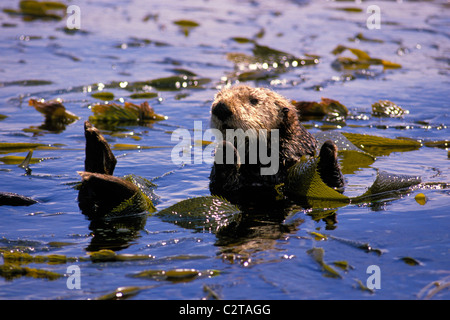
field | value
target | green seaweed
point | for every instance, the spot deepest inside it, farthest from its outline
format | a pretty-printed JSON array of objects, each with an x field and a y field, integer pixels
[
  {"x": 103, "y": 95},
  {"x": 385, "y": 108},
  {"x": 106, "y": 255},
  {"x": 10, "y": 272},
  {"x": 143, "y": 95},
  {"x": 46, "y": 10},
  {"x": 363, "y": 59},
  {"x": 186, "y": 25},
  {"x": 26, "y": 83},
  {"x": 317, "y": 255},
  {"x": 411, "y": 261},
  {"x": 208, "y": 214},
  {"x": 176, "y": 275},
  {"x": 113, "y": 112},
  {"x": 122, "y": 293}
]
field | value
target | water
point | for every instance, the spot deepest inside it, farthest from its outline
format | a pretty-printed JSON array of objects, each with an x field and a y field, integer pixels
[{"x": 270, "y": 260}]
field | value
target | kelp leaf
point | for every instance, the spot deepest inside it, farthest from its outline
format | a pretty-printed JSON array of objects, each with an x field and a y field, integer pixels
[
  {"x": 421, "y": 199},
  {"x": 121, "y": 293},
  {"x": 365, "y": 141},
  {"x": 325, "y": 107},
  {"x": 103, "y": 95},
  {"x": 143, "y": 95},
  {"x": 8, "y": 146},
  {"x": 176, "y": 275},
  {"x": 385, "y": 108},
  {"x": 186, "y": 23},
  {"x": 54, "y": 111},
  {"x": 411, "y": 261},
  {"x": 317, "y": 254},
  {"x": 126, "y": 112},
  {"x": 106, "y": 255},
  {"x": 20, "y": 159},
  {"x": 10, "y": 272},
  {"x": 363, "y": 59},
  {"x": 210, "y": 214},
  {"x": 304, "y": 181}
]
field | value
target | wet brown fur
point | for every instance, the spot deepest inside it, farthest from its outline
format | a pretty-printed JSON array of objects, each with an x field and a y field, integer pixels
[{"x": 244, "y": 107}]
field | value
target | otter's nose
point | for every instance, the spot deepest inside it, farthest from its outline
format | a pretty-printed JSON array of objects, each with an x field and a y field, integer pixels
[{"x": 221, "y": 111}]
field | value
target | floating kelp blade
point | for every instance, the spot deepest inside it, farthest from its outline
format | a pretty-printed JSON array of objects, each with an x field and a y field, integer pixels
[
  {"x": 176, "y": 275},
  {"x": 386, "y": 183},
  {"x": 103, "y": 95},
  {"x": 324, "y": 107},
  {"x": 122, "y": 293},
  {"x": 53, "y": 110},
  {"x": 376, "y": 145},
  {"x": 14, "y": 146},
  {"x": 385, "y": 108},
  {"x": 317, "y": 254},
  {"x": 46, "y": 10},
  {"x": 127, "y": 112},
  {"x": 10, "y": 271},
  {"x": 362, "y": 61},
  {"x": 206, "y": 214},
  {"x": 304, "y": 181}
]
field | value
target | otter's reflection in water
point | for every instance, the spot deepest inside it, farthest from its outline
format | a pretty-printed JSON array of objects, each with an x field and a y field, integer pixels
[
  {"x": 240, "y": 231},
  {"x": 116, "y": 233}
]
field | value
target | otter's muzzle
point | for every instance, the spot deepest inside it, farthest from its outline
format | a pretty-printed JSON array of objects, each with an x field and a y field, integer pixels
[{"x": 221, "y": 111}]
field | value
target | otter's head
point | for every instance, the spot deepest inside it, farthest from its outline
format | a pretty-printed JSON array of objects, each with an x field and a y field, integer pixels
[{"x": 244, "y": 107}]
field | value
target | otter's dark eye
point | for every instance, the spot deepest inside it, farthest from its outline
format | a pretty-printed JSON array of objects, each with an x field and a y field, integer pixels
[{"x": 254, "y": 101}]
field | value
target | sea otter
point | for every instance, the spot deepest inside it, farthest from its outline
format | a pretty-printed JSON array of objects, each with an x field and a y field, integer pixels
[{"x": 263, "y": 110}]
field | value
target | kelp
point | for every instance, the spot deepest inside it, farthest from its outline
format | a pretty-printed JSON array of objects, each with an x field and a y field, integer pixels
[
  {"x": 186, "y": 25},
  {"x": 325, "y": 107},
  {"x": 433, "y": 288},
  {"x": 304, "y": 180},
  {"x": 135, "y": 42},
  {"x": 20, "y": 159},
  {"x": 113, "y": 112},
  {"x": 106, "y": 255},
  {"x": 103, "y": 95},
  {"x": 360, "y": 37},
  {"x": 26, "y": 83},
  {"x": 265, "y": 63},
  {"x": 176, "y": 82},
  {"x": 421, "y": 199},
  {"x": 385, "y": 108},
  {"x": 176, "y": 275},
  {"x": 18, "y": 146},
  {"x": 54, "y": 111},
  {"x": 411, "y": 261},
  {"x": 26, "y": 258},
  {"x": 363, "y": 60},
  {"x": 367, "y": 247},
  {"x": 203, "y": 214},
  {"x": 317, "y": 254},
  {"x": 143, "y": 95},
  {"x": 47, "y": 10},
  {"x": 122, "y": 293},
  {"x": 377, "y": 145},
  {"x": 10, "y": 272}
]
